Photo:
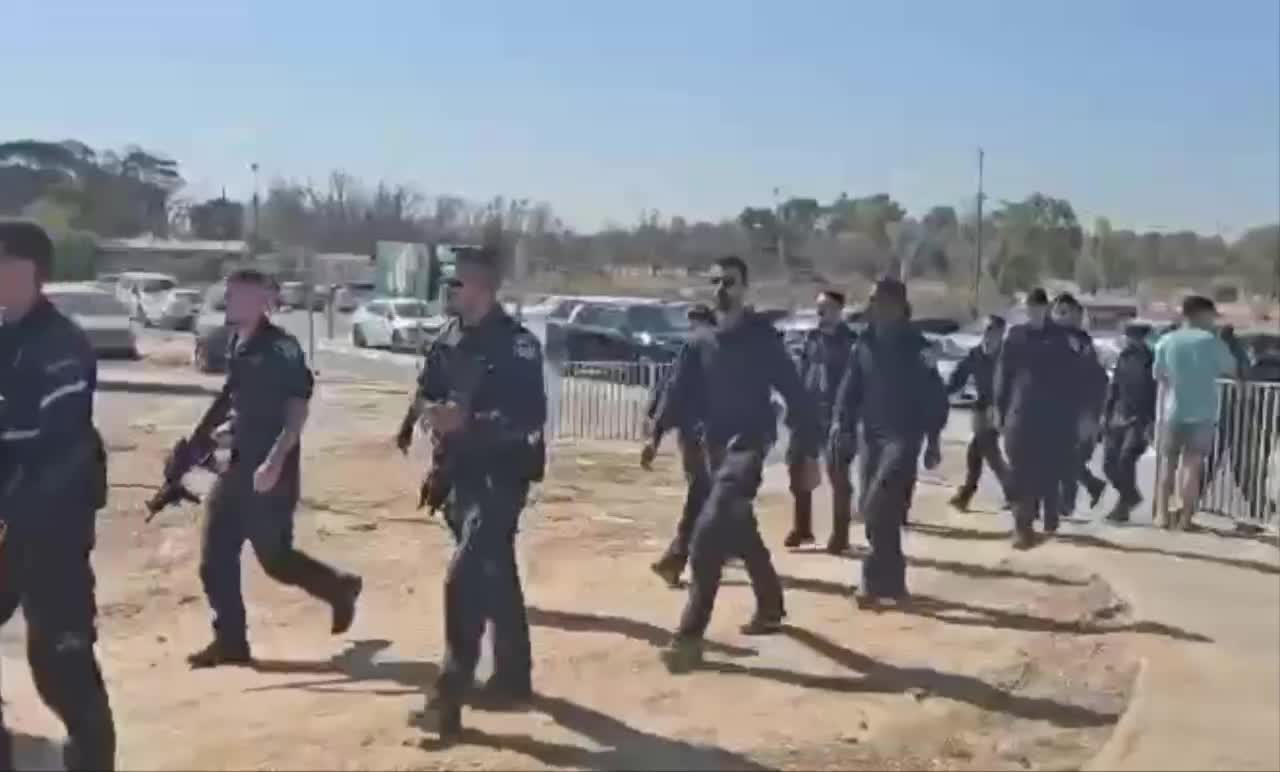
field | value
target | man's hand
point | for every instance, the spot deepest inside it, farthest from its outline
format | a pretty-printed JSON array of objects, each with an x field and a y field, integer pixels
[
  {"x": 266, "y": 476},
  {"x": 808, "y": 475},
  {"x": 404, "y": 439},
  {"x": 445, "y": 418},
  {"x": 932, "y": 454}
]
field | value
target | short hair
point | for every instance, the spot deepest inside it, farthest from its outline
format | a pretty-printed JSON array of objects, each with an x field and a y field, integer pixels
[
  {"x": 484, "y": 258},
  {"x": 736, "y": 263},
  {"x": 1068, "y": 300},
  {"x": 25, "y": 240},
  {"x": 251, "y": 276},
  {"x": 1139, "y": 330},
  {"x": 834, "y": 296},
  {"x": 890, "y": 288},
  {"x": 1037, "y": 297},
  {"x": 1197, "y": 304},
  {"x": 996, "y": 322}
]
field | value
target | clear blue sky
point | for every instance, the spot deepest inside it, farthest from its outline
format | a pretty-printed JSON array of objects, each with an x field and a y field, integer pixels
[{"x": 1154, "y": 112}]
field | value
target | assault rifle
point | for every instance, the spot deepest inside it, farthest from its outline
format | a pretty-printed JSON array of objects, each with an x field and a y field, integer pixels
[{"x": 187, "y": 454}]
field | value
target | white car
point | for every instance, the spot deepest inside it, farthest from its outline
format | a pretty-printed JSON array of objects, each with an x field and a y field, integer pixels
[
  {"x": 145, "y": 294},
  {"x": 402, "y": 324},
  {"x": 104, "y": 319}
]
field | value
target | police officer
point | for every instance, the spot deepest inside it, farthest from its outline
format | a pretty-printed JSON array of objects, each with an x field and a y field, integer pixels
[
  {"x": 723, "y": 380},
  {"x": 892, "y": 392},
  {"x": 693, "y": 458},
  {"x": 1038, "y": 405},
  {"x": 822, "y": 364},
  {"x": 980, "y": 366},
  {"x": 1069, "y": 314},
  {"x": 52, "y": 483},
  {"x": 1127, "y": 419},
  {"x": 404, "y": 436},
  {"x": 482, "y": 392},
  {"x": 268, "y": 385}
]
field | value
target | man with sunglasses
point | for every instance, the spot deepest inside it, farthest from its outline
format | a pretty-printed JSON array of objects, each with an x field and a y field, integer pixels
[
  {"x": 482, "y": 392},
  {"x": 723, "y": 381}
]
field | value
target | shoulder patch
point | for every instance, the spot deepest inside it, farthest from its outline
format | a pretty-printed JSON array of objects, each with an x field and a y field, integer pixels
[
  {"x": 289, "y": 350},
  {"x": 526, "y": 346}
]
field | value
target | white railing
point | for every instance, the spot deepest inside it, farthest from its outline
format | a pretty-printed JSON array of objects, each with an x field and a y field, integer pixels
[
  {"x": 1241, "y": 477},
  {"x": 600, "y": 400}
]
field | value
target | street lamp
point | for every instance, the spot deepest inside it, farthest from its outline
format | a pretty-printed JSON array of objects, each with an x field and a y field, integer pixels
[{"x": 253, "y": 243}]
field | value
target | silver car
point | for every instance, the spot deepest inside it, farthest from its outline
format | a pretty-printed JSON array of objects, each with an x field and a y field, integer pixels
[{"x": 103, "y": 318}]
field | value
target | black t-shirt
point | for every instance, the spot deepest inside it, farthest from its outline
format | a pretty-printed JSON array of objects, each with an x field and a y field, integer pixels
[{"x": 265, "y": 372}]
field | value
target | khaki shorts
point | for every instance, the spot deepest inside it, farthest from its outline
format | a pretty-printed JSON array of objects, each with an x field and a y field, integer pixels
[{"x": 1189, "y": 437}]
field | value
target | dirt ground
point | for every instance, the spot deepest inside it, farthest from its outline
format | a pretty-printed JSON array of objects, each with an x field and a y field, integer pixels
[{"x": 1002, "y": 663}]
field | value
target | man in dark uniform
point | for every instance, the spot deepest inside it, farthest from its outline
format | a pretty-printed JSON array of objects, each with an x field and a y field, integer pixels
[
  {"x": 267, "y": 390},
  {"x": 1127, "y": 419},
  {"x": 980, "y": 365},
  {"x": 823, "y": 360},
  {"x": 1039, "y": 400},
  {"x": 723, "y": 380},
  {"x": 404, "y": 436},
  {"x": 1069, "y": 314},
  {"x": 892, "y": 392},
  {"x": 482, "y": 392},
  {"x": 52, "y": 483},
  {"x": 693, "y": 458}
]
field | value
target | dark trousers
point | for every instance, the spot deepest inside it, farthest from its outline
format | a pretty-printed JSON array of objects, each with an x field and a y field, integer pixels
[
  {"x": 1037, "y": 455},
  {"x": 889, "y": 466},
  {"x": 838, "y": 475},
  {"x": 483, "y": 585},
  {"x": 1076, "y": 472},
  {"x": 727, "y": 527},
  {"x": 47, "y": 572},
  {"x": 1122, "y": 447},
  {"x": 984, "y": 447},
  {"x": 697, "y": 477},
  {"x": 235, "y": 514}
]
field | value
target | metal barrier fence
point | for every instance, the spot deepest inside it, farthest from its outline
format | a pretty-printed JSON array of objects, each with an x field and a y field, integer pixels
[
  {"x": 600, "y": 400},
  {"x": 1241, "y": 476}
]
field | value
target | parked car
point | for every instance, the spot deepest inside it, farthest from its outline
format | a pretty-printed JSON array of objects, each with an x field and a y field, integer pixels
[
  {"x": 215, "y": 297},
  {"x": 178, "y": 310},
  {"x": 649, "y": 331},
  {"x": 400, "y": 324},
  {"x": 146, "y": 295},
  {"x": 213, "y": 337},
  {"x": 349, "y": 297},
  {"x": 102, "y": 317}
]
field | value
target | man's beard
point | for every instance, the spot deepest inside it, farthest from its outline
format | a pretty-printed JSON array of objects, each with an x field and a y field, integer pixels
[{"x": 724, "y": 301}]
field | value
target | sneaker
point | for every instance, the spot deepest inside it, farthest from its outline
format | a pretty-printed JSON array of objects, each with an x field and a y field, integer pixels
[
  {"x": 219, "y": 653},
  {"x": 762, "y": 626},
  {"x": 344, "y": 605},
  {"x": 959, "y": 502},
  {"x": 668, "y": 573},
  {"x": 682, "y": 654},
  {"x": 796, "y": 539}
]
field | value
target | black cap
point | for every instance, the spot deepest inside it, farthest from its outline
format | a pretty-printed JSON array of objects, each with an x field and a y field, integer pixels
[
  {"x": 25, "y": 240},
  {"x": 1037, "y": 297},
  {"x": 890, "y": 289}
]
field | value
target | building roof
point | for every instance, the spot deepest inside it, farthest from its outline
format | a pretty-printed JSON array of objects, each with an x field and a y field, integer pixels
[{"x": 153, "y": 244}]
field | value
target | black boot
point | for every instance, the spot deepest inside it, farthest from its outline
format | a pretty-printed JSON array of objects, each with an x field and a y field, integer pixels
[
  {"x": 960, "y": 501},
  {"x": 802, "y": 521},
  {"x": 344, "y": 603},
  {"x": 443, "y": 715},
  {"x": 220, "y": 652}
]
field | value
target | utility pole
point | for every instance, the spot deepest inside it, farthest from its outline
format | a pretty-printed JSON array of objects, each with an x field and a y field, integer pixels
[
  {"x": 782, "y": 230},
  {"x": 977, "y": 262},
  {"x": 253, "y": 244}
]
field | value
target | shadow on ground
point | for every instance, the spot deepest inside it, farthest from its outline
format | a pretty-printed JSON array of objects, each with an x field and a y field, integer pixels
[
  {"x": 357, "y": 664},
  {"x": 622, "y": 746},
  {"x": 1097, "y": 542},
  {"x": 634, "y": 629}
]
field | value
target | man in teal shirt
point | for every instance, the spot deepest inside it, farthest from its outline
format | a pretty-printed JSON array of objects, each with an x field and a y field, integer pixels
[{"x": 1188, "y": 363}]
